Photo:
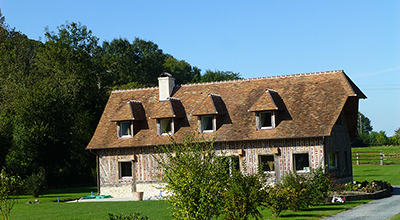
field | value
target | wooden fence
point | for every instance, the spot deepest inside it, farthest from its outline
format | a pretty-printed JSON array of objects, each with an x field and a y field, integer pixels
[{"x": 367, "y": 157}]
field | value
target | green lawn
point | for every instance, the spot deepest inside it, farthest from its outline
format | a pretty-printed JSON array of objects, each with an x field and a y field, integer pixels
[
  {"x": 152, "y": 209},
  {"x": 392, "y": 154}
]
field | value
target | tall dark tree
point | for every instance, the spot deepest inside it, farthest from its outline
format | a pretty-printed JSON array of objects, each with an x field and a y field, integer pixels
[
  {"x": 363, "y": 124},
  {"x": 56, "y": 108},
  {"x": 16, "y": 60}
]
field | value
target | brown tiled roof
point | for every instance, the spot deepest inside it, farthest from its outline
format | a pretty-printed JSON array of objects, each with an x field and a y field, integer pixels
[{"x": 311, "y": 105}]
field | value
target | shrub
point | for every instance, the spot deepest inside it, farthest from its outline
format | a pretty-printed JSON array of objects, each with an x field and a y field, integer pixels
[
  {"x": 35, "y": 183},
  {"x": 298, "y": 191},
  {"x": 244, "y": 195},
  {"x": 278, "y": 199},
  {"x": 196, "y": 177},
  {"x": 135, "y": 216}
]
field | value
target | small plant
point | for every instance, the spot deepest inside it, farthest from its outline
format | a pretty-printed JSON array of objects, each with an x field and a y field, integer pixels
[{"x": 134, "y": 216}]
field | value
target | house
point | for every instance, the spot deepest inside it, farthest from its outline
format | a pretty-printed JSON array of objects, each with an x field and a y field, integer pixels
[{"x": 287, "y": 123}]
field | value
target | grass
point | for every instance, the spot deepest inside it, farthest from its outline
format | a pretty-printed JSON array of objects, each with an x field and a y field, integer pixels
[
  {"x": 48, "y": 209},
  {"x": 388, "y": 173},
  {"x": 396, "y": 217},
  {"x": 392, "y": 154}
]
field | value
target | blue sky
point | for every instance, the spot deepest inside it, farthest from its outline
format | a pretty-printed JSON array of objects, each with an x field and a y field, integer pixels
[{"x": 255, "y": 38}]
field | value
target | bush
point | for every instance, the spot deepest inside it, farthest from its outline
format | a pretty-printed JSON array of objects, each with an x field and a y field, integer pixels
[
  {"x": 35, "y": 183},
  {"x": 278, "y": 199},
  {"x": 297, "y": 191},
  {"x": 196, "y": 178},
  {"x": 244, "y": 195},
  {"x": 135, "y": 216}
]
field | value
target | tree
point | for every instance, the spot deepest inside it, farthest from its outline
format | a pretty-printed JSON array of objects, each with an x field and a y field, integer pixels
[
  {"x": 196, "y": 177},
  {"x": 363, "y": 124},
  {"x": 124, "y": 62},
  {"x": 213, "y": 76},
  {"x": 55, "y": 109},
  {"x": 397, "y": 132},
  {"x": 181, "y": 70}
]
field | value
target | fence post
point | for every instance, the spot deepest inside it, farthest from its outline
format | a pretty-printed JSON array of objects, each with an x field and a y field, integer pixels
[
  {"x": 381, "y": 158},
  {"x": 358, "y": 163}
]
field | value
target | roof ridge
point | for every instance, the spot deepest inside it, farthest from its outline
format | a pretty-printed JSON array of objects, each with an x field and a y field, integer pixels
[
  {"x": 235, "y": 80},
  {"x": 266, "y": 77},
  {"x": 127, "y": 90}
]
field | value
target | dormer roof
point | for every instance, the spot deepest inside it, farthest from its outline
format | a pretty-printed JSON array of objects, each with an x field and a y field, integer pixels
[
  {"x": 269, "y": 100},
  {"x": 171, "y": 108},
  {"x": 211, "y": 105},
  {"x": 131, "y": 111}
]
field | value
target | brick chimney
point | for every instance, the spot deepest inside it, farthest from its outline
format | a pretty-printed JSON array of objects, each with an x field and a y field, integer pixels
[{"x": 166, "y": 84}]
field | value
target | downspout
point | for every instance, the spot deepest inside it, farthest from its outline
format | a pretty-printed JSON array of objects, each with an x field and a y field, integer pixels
[{"x": 97, "y": 171}]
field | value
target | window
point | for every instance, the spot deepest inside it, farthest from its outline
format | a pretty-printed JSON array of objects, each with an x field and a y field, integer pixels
[
  {"x": 232, "y": 163},
  {"x": 333, "y": 160},
  {"x": 125, "y": 170},
  {"x": 125, "y": 129},
  {"x": 301, "y": 162},
  {"x": 165, "y": 126},
  {"x": 266, "y": 120},
  {"x": 267, "y": 163},
  {"x": 207, "y": 124}
]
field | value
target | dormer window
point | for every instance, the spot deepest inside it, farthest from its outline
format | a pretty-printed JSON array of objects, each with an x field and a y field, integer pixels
[
  {"x": 165, "y": 126},
  {"x": 207, "y": 123},
  {"x": 210, "y": 113},
  {"x": 266, "y": 120},
  {"x": 266, "y": 109},
  {"x": 125, "y": 129}
]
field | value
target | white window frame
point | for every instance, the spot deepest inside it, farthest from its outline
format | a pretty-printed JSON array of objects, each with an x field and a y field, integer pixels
[
  {"x": 120, "y": 167},
  {"x": 273, "y": 159},
  {"x": 335, "y": 160},
  {"x": 160, "y": 123},
  {"x": 201, "y": 123},
  {"x": 259, "y": 121},
  {"x": 305, "y": 169},
  {"x": 120, "y": 135}
]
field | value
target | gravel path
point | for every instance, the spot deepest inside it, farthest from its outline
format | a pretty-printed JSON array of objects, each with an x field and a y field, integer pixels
[{"x": 375, "y": 210}]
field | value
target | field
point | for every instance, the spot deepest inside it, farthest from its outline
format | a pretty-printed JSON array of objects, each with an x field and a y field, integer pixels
[
  {"x": 48, "y": 209},
  {"x": 152, "y": 209}
]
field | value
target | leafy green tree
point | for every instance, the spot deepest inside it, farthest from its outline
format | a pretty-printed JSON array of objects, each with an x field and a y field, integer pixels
[
  {"x": 181, "y": 70},
  {"x": 213, "y": 76},
  {"x": 124, "y": 62},
  {"x": 363, "y": 124},
  {"x": 196, "y": 178},
  {"x": 397, "y": 132},
  {"x": 16, "y": 61},
  {"x": 55, "y": 109}
]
